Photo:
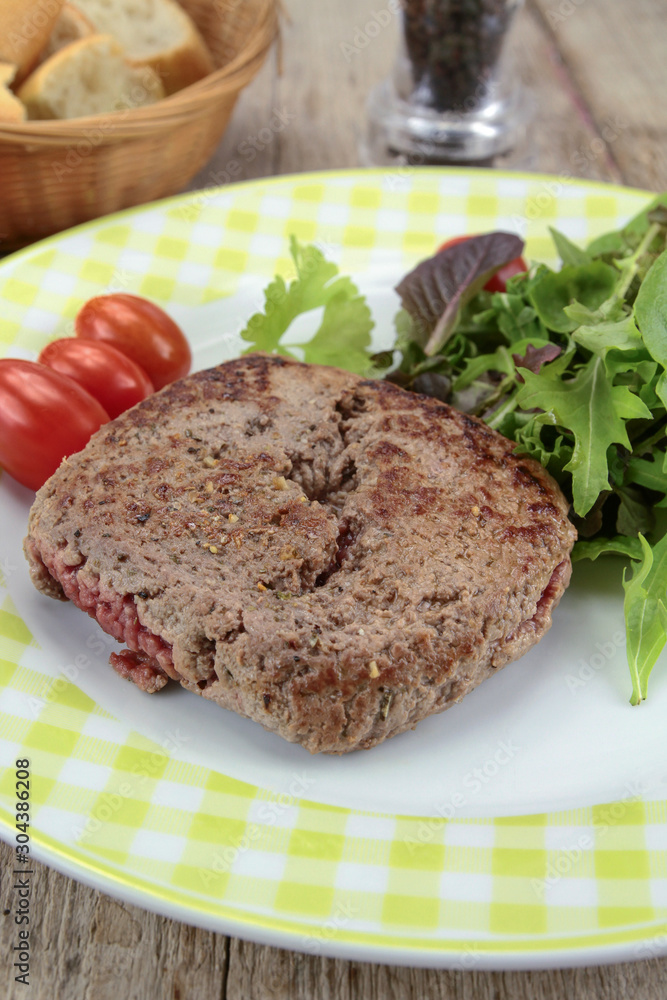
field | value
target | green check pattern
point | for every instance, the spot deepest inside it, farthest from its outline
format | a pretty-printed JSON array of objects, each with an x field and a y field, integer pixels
[{"x": 115, "y": 805}]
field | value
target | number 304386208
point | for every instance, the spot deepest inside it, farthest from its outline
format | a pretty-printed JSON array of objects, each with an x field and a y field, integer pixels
[{"x": 22, "y": 809}]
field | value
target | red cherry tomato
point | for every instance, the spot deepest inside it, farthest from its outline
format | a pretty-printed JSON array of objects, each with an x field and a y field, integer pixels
[
  {"x": 111, "y": 377},
  {"x": 498, "y": 281},
  {"x": 140, "y": 330},
  {"x": 44, "y": 417}
]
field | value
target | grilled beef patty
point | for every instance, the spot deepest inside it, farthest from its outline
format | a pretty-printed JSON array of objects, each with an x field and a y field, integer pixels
[{"x": 332, "y": 557}]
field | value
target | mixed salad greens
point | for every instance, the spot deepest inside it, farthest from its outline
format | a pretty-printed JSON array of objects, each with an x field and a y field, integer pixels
[{"x": 570, "y": 363}]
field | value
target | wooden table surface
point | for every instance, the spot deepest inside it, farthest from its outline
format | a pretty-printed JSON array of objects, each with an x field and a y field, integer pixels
[{"x": 597, "y": 70}]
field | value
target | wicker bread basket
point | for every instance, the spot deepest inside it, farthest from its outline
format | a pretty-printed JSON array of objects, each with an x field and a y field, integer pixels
[{"x": 56, "y": 174}]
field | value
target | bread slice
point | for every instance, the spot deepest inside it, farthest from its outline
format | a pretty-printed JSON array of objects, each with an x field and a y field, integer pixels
[
  {"x": 11, "y": 109},
  {"x": 88, "y": 77},
  {"x": 155, "y": 33},
  {"x": 25, "y": 26},
  {"x": 71, "y": 26}
]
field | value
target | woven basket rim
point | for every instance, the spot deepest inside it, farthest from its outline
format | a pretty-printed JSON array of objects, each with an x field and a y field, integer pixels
[{"x": 166, "y": 113}]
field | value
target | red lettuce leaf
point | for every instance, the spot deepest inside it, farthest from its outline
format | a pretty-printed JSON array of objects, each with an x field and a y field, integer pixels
[
  {"x": 535, "y": 357},
  {"x": 437, "y": 289}
]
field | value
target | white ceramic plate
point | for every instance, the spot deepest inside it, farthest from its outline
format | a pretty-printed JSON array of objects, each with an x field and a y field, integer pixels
[{"x": 525, "y": 827}]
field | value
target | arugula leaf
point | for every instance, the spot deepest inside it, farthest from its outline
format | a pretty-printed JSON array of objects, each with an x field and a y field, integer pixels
[
  {"x": 435, "y": 291},
  {"x": 617, "y": 546},
  {"x": 661, "y": 389},
  {"x": 646, "y": 614},
  {"x": 647, "y": 372},
  {"x": 621, "y": 335},
  {"x": 554, "y": 454},
  {"x": 509, "y": 314},
  {"x": 593, "y": 410},
  {"x": 344, "y": 334},
  {"x": 609, "y": 311},
  {"x": 634, "y": 516},
  {"x": 650, "y": 310},
  {"x": 608, "y": 244},
  {"x": 500, "y": 361},
  {"x": 648, "y": 474},
  {"x": 517, "y": 320},
  {"x": 569, "y": 252},
  {"x": 590, "y": 284}
]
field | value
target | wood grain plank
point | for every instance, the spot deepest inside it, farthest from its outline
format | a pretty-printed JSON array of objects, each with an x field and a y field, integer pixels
[
  {"x": 562, "y": 137},
  {"x": 331, "y": 62},
  {"x": 242, "y": 155},
  {"x": 87, "y": 946},
  {"x": 616, "y": 54},
  {"x": 259, "y": 973}
]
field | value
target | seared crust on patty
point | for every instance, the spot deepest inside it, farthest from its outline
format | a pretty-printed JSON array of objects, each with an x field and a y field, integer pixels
[{"x": 332, "y": 557}]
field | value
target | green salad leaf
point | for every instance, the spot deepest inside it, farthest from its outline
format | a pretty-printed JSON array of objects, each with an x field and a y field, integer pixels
[
  {"x": 435, "y": 292},
  {"x": 571, "y": 364},
  {"x": 650, "y": 310},
  {"x": 646, "y": 614},
  {"x": 648, "y": 473},
  {"x": 594, "y": 411},
  {"x": 620, "y": 545},
  {"x": 343, "y": 335},
  {"x": 588, "y": 284},
  {"x": 568, "y": 251},
  {"x": 610, "y": 335}
]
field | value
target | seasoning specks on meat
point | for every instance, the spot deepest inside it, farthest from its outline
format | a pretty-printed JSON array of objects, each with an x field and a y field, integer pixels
[{"x": 330, "y": 556}]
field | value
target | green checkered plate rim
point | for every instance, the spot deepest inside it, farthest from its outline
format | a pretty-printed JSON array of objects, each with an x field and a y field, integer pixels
[{"x": 136, "y": 819}]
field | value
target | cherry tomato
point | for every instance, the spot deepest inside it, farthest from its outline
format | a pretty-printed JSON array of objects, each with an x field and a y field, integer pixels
[
  {"x": 498, "y": 281},
  {"x": 141, "y": 330},
  {"x": 44, "y": 417},
  {"x": 111, "y": 377}
]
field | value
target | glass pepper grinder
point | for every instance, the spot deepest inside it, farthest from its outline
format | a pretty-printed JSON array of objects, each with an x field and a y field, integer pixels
[{"x": 453, "y": 96}]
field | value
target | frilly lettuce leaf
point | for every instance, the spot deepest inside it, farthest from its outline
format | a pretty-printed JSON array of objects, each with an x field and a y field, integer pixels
[{"x": 343, "y": 335}]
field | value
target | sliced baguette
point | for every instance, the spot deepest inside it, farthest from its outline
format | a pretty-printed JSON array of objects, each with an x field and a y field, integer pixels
[
  {"x": 88, "y": 77},
  {"x": 11, "y": 109},
  {"x": 71, "y": 26},
  {"x": 155, "y": 33},
  {"x": 25, "y": 26}
]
